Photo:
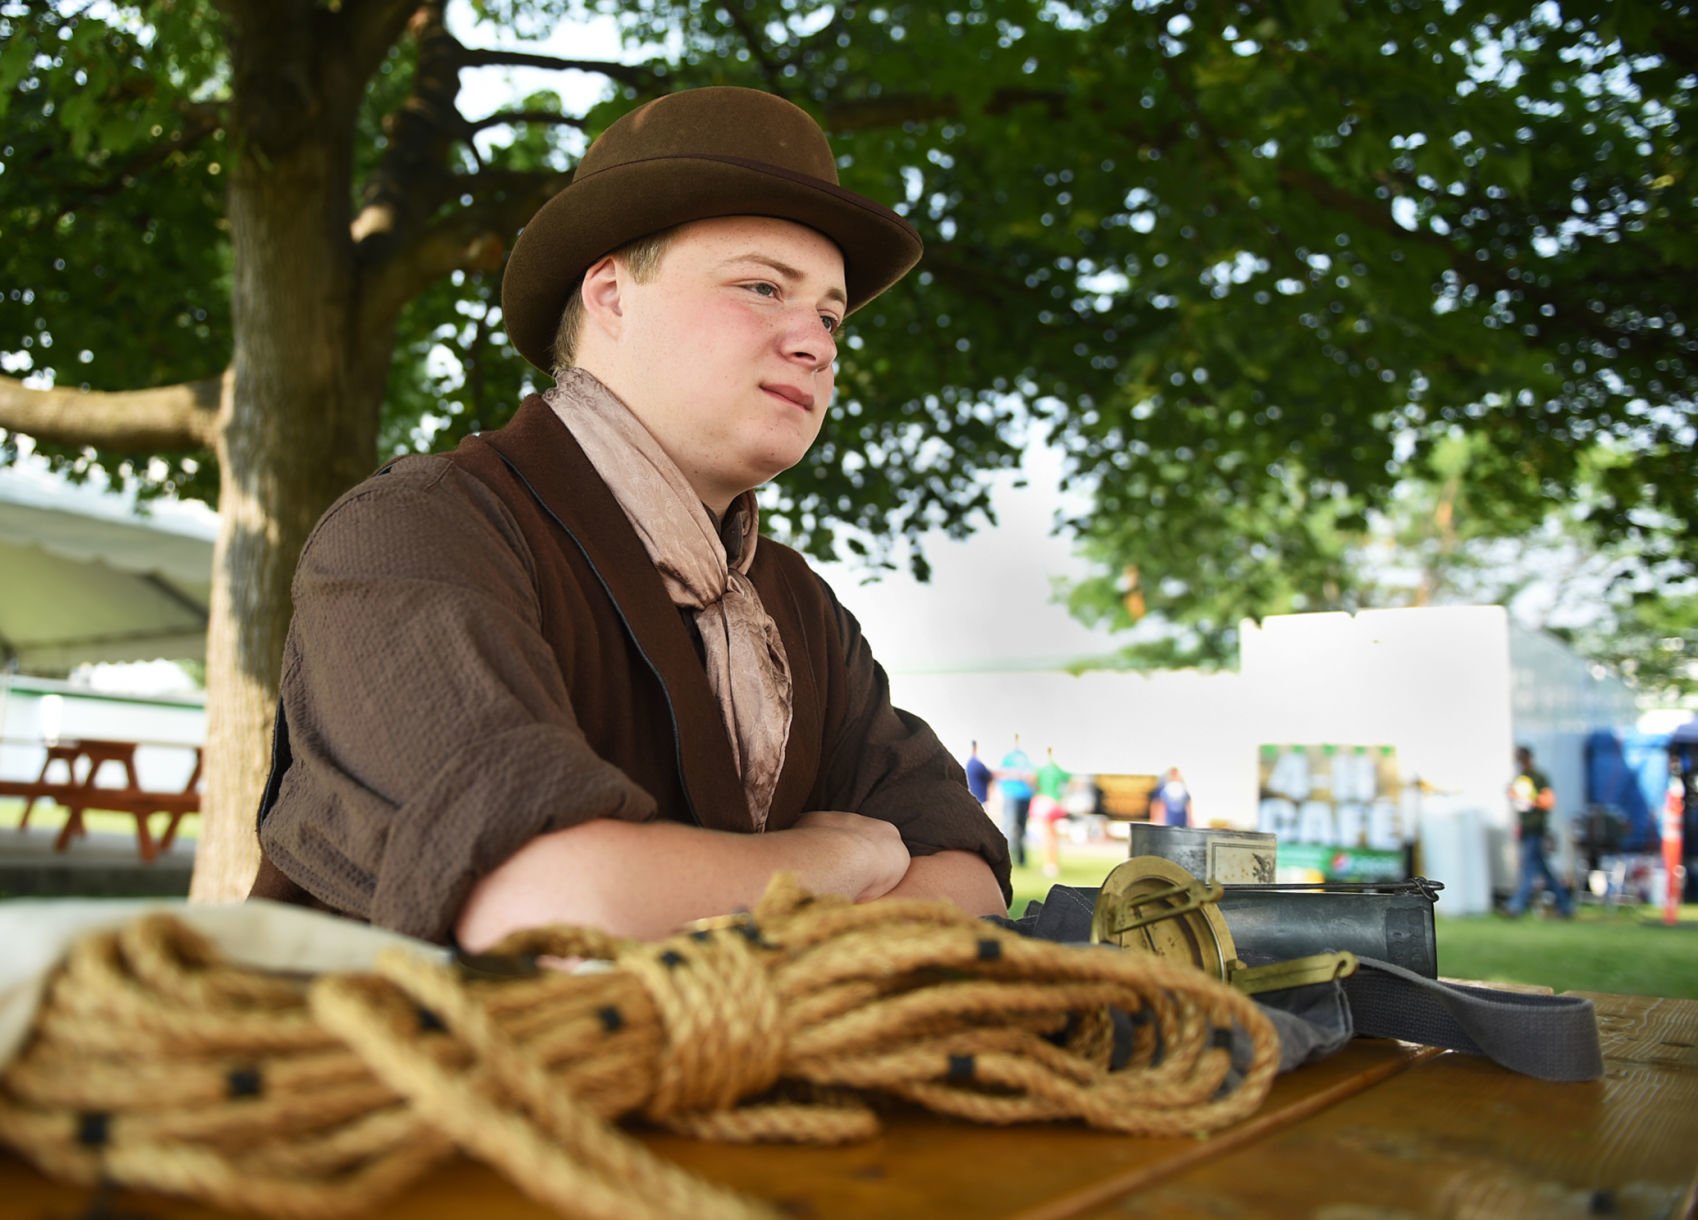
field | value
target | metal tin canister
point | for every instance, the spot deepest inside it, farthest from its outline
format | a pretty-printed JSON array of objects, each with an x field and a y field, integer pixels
[
  {"x": 1228, "y": 857},
  {"x": 1393, "y": 925}
]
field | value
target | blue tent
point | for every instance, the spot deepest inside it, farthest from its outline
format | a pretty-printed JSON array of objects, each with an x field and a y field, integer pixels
[{"x": 1628, "y": 774}]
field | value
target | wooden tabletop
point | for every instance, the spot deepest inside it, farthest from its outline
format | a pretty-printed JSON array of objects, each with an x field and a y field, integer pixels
[{"x": 1381, "y": 1131}]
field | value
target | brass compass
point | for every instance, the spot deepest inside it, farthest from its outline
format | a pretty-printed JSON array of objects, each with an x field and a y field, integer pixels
[{"x": 1152, "y": 905}]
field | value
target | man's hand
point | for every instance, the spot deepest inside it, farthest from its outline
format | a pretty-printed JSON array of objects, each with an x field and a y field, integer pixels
[{"x": 868, "y": 851}]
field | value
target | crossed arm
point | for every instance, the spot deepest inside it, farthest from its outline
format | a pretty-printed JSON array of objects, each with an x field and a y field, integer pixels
[{"x": 646, "y": 879}]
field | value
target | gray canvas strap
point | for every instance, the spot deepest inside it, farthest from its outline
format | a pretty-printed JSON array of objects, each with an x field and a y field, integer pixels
[{"x": 1550, "y": 1037}]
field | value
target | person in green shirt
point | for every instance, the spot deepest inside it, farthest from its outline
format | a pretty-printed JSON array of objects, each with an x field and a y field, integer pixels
[{"x": 1052, "y": 781}]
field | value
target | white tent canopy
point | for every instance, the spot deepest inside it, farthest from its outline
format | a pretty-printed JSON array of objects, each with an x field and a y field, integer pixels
[{"x": 86, "y": 577}]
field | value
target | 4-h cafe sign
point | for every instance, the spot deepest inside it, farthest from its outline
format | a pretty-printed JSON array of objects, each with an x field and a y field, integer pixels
[{"x": 1335, "y": 810}]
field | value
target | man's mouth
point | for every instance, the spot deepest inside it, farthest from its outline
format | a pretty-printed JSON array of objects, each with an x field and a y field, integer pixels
[{"x": 791, "y": 394}]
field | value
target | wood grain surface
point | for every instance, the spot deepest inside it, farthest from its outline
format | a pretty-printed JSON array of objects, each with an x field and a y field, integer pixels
[
  {"x": 1381, "y": 1131},
  {"x": 1457, "y": 1136}
]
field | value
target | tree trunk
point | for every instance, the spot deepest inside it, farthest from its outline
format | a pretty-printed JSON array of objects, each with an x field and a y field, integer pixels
[{"x": 301, "y": 424}]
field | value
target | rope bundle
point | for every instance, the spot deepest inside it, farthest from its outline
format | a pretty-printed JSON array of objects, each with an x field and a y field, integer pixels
[{"x": 154, "y": 1064}]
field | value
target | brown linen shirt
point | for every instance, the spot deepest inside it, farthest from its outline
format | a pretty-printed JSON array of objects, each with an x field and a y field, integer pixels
[{"x": 482, "y": 652}]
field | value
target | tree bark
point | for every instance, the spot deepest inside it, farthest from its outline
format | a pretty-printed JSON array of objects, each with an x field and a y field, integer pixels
[
  {"x": 295, "y": 419},
  {"x": 301, "y": 424}
]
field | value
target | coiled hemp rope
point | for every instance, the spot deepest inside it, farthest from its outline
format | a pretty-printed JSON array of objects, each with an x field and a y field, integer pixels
[{"x": 155, "y": 1065}]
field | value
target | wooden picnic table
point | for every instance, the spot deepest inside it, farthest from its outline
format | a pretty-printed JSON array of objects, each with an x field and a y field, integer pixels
[
  {"x": 1383, "y": 1130},
  {"x": 88, "y": 766}
]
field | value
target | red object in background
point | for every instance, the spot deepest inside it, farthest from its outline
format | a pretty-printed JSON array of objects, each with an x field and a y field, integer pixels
[{"x": 1674, "y": 807}]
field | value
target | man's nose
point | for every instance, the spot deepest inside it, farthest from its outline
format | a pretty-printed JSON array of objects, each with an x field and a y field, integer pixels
[{"x": 808, "y": 342}]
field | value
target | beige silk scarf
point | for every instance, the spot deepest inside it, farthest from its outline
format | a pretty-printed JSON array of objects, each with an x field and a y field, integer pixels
[{"x": 705, "y": 569}]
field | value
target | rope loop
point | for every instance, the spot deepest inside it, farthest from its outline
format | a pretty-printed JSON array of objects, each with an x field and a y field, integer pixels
[
  {"x": 155, "y": 1063},
  {"x": 722, "y": 1039}
]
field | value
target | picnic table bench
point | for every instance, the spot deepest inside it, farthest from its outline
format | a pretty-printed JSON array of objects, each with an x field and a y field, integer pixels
[
  {"x": 87, "y": 764},
  {"x": 1382, "y": 1129}
]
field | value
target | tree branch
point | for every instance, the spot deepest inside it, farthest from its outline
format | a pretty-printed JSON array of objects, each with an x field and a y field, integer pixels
[
  {"x": 1487, "y": 276},
  {"x": 843, "y": 15},
  {"x": 168, "y": 418},
  {"x": 894, "y": 109},
  {"x": 474, "y": 238},
  {"x": 413, "y": 176},
  {"x": 973, "y": 278},
  {"x": 758, "y": 48},
  {"x": 201, "y": 121},
  {"x": 371, "y": 27},
  {"x": 637, "y": 75},
  {"x": 501, "y": 117}
]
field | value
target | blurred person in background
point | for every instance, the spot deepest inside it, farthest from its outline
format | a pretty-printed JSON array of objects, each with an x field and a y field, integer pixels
[
  {"x": 1051, "y": 785},
  {"x": 1014, "y": 782},
  {"x": 1171, "y": 805},
  {"x": 1532, "y": 799}
]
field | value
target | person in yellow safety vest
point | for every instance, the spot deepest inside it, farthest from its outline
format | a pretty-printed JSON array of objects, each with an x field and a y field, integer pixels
[{"x": 1532, "y": 798}]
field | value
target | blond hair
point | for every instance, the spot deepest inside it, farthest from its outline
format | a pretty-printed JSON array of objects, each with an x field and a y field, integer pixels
[{"x": 642, "y": 257}]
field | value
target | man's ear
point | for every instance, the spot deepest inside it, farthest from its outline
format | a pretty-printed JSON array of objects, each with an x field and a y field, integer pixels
[{"x": 602, "y": 286}]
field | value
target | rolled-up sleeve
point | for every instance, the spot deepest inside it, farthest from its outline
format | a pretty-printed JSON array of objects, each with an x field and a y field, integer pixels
[{"x": 430, "y": 726}]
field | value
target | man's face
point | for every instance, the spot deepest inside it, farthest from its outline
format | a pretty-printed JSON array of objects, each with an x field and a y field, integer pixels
[{"x": 726, "y": 354}]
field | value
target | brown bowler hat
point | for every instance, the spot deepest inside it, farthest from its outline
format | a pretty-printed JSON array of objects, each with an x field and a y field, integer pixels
[{"x": 719, "y": 151}]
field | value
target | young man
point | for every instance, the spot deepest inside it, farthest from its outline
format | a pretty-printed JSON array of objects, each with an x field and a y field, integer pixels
[{"x": 556, "y": 676}]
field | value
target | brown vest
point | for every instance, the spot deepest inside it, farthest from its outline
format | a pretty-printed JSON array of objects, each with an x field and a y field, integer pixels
[
  {"x": 635, "y": 677},
  {"x": 628, "y": 659}
]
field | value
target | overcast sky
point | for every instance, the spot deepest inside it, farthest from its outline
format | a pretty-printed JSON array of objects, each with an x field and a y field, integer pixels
[{"x": 989, "y": 602}]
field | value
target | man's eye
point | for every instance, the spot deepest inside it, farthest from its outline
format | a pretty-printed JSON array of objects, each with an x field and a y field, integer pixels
[
  {"x": 830, "y": 323},
  {"x": 764, "y": 288}
]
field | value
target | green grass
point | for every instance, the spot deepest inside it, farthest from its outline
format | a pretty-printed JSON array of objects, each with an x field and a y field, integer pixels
[
  {"x": 1079, "y": 869},
  {"x": 1626, "y": 950}
]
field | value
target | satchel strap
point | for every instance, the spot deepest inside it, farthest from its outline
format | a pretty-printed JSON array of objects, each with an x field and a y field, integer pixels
[{"x": 1550, "y": 1037}]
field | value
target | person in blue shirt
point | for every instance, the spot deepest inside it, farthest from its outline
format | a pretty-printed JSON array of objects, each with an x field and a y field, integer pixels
[
  {"x": 1172, "y": 803},
  {"x": 1014, "y": 779}
]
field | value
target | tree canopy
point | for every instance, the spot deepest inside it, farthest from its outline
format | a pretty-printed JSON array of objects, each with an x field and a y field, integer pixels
[
  {"x": 1249, "y": 258},
  {"x": 1427, "y": 227},
  {"x": 1290, "y": 239},
  {"x": 1253, "y": 263}
]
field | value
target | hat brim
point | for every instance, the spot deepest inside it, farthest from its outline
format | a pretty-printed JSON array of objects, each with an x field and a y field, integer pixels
[{"x": 597, "y": 214}]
